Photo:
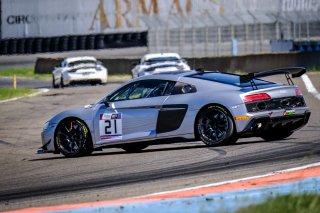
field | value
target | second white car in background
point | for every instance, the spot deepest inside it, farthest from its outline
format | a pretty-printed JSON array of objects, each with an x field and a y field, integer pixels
[
  {"x": 159, "y": 62},
  {"x": 79, "y": 69}
]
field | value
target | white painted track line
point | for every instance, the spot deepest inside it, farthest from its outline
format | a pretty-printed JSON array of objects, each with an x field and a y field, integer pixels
[{"x": 311, "y": 89}]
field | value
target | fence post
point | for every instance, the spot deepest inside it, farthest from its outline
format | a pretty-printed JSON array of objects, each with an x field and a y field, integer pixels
[
  {"x": 167, "y": 39},
  {"x": 206, "y": 43},
  {"x": 261, "y": 37},
  {"x": 14, "y": 81},
  {"x": 219, "y": 40},
  {"x": 246, "y": 38}
]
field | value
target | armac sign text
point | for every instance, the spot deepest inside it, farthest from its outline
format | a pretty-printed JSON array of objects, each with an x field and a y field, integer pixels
[{"x": 41, "y": 18}]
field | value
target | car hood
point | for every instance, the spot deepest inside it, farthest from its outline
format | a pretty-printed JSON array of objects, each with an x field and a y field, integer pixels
[{"x": 84, "y": 113}]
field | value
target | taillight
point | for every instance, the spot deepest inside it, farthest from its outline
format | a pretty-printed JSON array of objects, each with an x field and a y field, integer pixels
[
  {"x": 298, "y": 92},
  {"x": 256, "y": 97}
]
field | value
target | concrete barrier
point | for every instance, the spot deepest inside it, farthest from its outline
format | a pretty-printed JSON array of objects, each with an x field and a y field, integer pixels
[{"x": 249, "y": 63}]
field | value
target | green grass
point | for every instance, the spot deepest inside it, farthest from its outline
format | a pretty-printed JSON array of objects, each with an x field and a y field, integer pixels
[
  {"x": 307, "y": 203},
  {"x": 25, "y": 72},
  {"x": 119, "y": 76},
  {"x": 7, "y": 93},
  {"x": 28, "y": 72}
]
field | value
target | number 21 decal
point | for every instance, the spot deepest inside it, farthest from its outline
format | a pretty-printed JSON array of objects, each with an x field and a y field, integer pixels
[{"x": 110, "y": 125}]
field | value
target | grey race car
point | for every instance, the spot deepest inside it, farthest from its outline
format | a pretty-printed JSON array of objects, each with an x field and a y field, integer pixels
[{"x": 215, "y": 107}]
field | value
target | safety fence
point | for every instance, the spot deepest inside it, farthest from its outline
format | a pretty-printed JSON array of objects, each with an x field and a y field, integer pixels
[{"x": 245, "y": 34}]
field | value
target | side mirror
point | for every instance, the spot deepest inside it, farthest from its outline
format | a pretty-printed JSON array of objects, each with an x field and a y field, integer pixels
[
  {"x": 106, "y": 101},
  {"x": 135, "y": 64}
]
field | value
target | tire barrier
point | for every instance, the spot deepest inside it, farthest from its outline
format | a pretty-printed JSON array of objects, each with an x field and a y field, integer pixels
[
  {"x": 46, "y": 45},
  {"x": 63, "y": 43},
  {"x": 82, "y": 43},
  {"x": 38, "y": 45},
  {"x": 21, "y": 46},
  {"x": 54, "y": 44},
  {"x": 29, "y": 46},
  {"x": 90, "y": 42},
  {"x": 99, "y": 42},
  {"x": 4, "y": 47},
  {"x": 12, "y": 48},
  {"x": 71, "y": 43}
]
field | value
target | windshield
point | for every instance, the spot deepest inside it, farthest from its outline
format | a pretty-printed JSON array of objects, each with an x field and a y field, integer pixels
[
  {"x": 161, "y": 59},
  {"x": 227, "y": 78},
  {"x": 82, "y": 63}
]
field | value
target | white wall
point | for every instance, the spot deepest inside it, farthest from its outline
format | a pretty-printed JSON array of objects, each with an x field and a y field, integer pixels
[{"x": 41, "y": 18}]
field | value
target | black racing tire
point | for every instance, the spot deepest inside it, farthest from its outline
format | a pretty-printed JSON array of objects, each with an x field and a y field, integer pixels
[
  {"x": 54, "y": 85},
  {"x": 215, "y": 126},
  {"x": 134, "y": 147},
  {"x": 232, "y": 140},
  {"x": 276, "y": 135},
  {"x": 62, "y": 85},
  {"x": 72, "y": 137}
]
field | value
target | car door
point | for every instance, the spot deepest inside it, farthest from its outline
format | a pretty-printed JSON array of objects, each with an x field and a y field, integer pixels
[{"x": 131, "y": 112}]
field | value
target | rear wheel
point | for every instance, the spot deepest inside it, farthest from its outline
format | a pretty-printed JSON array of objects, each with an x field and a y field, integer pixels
[
  {"x": 54, "y": 84},
  {"x": 73, "y": 138},
  {"x": 215, "y": 126},
  {"x": 135, "y": 147},
  {"x": 61, "y": 83},
  {"x": 276, "y": 135}
]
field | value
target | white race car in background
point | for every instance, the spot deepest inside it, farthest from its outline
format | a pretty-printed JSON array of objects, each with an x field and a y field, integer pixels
[
  {"x": 159, "y": 62},
  {"x": 79, "y": 69}
]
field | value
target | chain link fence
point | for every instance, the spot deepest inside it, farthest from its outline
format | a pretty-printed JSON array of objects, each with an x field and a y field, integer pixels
[{"x": 236, "y": 33}]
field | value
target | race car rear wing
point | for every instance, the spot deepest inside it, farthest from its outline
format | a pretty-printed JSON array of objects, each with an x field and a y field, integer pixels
[{"x": 294, "y": 71}]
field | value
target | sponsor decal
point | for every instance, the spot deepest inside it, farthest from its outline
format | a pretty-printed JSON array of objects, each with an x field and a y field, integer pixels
[
  {"x": 241, "y": 118},
  {"x": 289, "y": 112},
  {"x": 236, "y": 106}
]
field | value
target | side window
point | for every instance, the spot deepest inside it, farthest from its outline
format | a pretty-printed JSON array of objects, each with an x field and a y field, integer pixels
[
  {"x": 183, "y": 88},
  {"x": 148, "y": 89},
  {"x": 141, "y": 89},
  {"x": 64, "y": 64},
  {"x": 122, "y": 93}
]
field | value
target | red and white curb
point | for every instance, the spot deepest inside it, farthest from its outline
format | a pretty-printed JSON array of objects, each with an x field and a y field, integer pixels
[{"x": 225, "y": 196}]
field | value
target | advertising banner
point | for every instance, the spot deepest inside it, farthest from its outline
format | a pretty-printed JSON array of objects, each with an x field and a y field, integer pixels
[{"x": 43, "y": 18}]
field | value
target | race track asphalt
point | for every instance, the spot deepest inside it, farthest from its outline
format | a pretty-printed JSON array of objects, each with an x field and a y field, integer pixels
[{"x": 28, "y": 179}]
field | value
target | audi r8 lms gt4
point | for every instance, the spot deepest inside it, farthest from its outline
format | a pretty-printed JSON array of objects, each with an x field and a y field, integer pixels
[
  {"x": 214, "y": 107},
  {"x": 79, "y": 69},
  {"x": 159, "y": 62}
]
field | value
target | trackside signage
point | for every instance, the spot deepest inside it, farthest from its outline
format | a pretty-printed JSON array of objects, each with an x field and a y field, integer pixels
[{"x": 42, "y": 18}]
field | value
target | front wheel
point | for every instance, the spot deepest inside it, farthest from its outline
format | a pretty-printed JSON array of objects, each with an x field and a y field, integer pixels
[
  {"x": 215, "y": 126},
  {"x": 73, "y": 138},
  {"x": 54, "y": 85},
  {"x": 276, "y": 135}
]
